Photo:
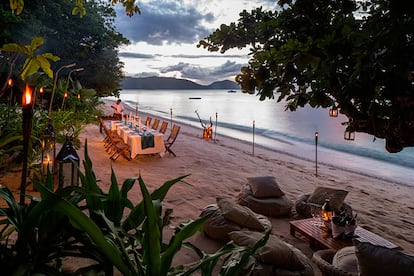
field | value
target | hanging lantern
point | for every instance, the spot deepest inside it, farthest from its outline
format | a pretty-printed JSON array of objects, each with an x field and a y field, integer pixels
[
  {"x": 48, "y": 149},
  {"x": 333, "y": 112},
  {"x": 349, "y": 134},
  {"x": 67, "y": 162}
]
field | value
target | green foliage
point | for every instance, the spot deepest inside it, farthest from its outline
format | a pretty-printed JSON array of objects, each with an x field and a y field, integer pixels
[
  {"x": 105, "y": 228},
  {"x": 33, "y": 62},
  {"x": 355, "y": 55},
  {"x": 91, "y": 42}
]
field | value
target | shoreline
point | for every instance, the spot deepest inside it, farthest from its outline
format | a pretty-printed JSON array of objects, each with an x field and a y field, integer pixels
[{"x": 129, "y": 108}]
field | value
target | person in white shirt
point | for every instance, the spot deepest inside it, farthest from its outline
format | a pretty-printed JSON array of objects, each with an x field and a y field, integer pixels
[{"x": 118, "y": 109}]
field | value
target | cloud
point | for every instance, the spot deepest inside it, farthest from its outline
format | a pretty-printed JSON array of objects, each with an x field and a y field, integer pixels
[
  {"x": 164, "y": 22},
  {"x": 135, "y": 55},
  {"x": 198, "y": 73}
]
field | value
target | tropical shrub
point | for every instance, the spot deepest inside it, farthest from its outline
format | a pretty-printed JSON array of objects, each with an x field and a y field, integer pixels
[{"x": 105, "y": 228}]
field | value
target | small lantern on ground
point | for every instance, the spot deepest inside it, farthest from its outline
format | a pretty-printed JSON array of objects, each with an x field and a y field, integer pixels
[
  {"x": 48, "y": 149},
  {"x": 67, "y": 162}
]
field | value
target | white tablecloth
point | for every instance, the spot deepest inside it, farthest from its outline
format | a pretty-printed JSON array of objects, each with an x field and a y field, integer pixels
[{"x": 133, "y": 139}]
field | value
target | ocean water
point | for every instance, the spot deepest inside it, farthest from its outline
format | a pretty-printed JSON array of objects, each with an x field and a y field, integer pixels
[{"x": 267, "y": 123}]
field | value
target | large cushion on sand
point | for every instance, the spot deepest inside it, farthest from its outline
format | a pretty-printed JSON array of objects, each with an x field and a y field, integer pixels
[
  {"x": 346, "y": 260},
  {"x": 264, "y": 186},
  {"x": 273, "y": 207},
  {"x": 241, "y": 215},
  {"x": 217, "y": 226},
  {"x": 303, "y": 208},
  {"x": 276, "y": 257},
  {"x": 336, "y": 197},
  {"x": 378, "y": 260}
]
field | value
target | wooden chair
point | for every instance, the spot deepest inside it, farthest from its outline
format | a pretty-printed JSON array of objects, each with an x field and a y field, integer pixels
[
  {"x": 115, "y": 145},
  {"x": 148, "y": 121},
  {"x": 171, "y": 139},
  {"x": 163, "y": 127},
  {"x": 155, "y": 124}
]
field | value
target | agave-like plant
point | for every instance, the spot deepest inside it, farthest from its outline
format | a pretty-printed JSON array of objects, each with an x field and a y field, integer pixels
[{"x": 105, "y": 228}]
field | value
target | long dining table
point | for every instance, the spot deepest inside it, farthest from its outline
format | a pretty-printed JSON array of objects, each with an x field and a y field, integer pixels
[{"x": 140, "y": 141}]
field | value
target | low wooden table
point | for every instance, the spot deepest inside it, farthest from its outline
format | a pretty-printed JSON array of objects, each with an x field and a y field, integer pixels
[{"x": 319, "y": 238}]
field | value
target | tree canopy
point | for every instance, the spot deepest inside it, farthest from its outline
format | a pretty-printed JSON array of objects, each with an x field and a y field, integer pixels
[
  {"x": 90, "y": 41},
  {"x": 357, "y": 56}
]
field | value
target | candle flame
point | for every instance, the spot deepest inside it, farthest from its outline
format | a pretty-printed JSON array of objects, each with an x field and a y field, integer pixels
[
  {"x": 27, "y": 96},
  {"x": 10, "y": 82}
]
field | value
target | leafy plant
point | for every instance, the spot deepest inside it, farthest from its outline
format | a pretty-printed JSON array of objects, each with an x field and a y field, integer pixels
[{"x": 105, "y": 228}]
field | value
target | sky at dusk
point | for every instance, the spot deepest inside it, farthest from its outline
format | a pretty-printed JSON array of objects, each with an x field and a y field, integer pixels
[{"x": 164, "y": 38}]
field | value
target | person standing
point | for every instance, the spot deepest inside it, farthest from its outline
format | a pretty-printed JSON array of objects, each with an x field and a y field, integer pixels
[{"x": 118, "y": 109}]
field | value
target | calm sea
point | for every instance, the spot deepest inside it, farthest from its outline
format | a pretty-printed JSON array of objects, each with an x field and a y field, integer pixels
[{"x": 237, "y": 114}]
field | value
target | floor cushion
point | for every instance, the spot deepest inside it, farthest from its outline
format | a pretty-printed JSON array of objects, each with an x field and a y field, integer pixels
[
  {"x": 217, "y": 226},
  {"x": 264, "y": 186},
  {"x": 336, "y": 197},
  {"x": 346, "y": 260},
  {"x": 378, "y": 260},
  {"x": 276, "y": 257},
  {"x": 241, "y": 215},
  {"x": 303, "y": 208},
  {"x": 273, "y": 207}
]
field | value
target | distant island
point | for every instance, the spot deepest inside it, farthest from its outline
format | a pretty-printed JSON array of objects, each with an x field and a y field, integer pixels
[{"x": 154, "y": 83}]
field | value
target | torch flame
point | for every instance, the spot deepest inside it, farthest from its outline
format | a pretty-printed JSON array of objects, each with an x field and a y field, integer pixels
[{"x": 27, "y": 96}]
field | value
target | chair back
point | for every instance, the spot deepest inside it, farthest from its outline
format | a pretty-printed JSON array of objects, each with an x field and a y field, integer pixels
[
  {"x": 173, "y": 134},
  {"x": 163, "y": 127},
  {"x": 148, "y": 121},
  {"x": 155, "y": 124}
]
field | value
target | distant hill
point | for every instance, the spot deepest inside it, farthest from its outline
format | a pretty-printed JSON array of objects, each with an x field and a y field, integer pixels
[{"x": 173, "y": 83}]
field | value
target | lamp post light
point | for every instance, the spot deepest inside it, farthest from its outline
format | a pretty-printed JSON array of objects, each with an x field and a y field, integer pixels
[
  {"x": 54, "y": 84},
  {"x": 27, "y": 104},
  {"x": 316, "y": 153}
]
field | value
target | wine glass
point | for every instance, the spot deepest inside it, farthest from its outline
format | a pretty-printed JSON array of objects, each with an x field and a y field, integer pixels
[{"x": 316, "y": 214}]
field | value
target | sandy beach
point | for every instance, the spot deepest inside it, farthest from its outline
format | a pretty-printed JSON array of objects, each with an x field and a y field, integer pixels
[{"x": 220, "y": 168}]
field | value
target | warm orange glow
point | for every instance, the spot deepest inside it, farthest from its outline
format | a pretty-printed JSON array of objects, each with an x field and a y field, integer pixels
[
  {"x": 65, "y": 95},
  {"x": 41, "y": 89},
  {"x": 10, "y": 82},
  {"x": 78, "y": 96},
  {"x": 333, "y": 112},
  {"x": 27, "y": 96}
]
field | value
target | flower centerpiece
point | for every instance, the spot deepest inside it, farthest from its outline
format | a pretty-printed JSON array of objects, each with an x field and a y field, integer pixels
[{"x": 343, "y": 224}]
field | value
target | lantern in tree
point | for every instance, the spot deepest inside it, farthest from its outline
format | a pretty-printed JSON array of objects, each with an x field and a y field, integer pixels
[
  {"x": 67, "y": 162},
  {"x": 333, "y": 112}
]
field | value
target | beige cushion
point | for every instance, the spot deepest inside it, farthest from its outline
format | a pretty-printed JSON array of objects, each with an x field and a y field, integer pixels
[
  {"x": 378, "y": 260},
  {"x": 264, "y": 186},
  {"x": 273, "y": 207},
  {"x": 346, "y": 260},
  {"x": 275, "y": 251},
  {"x": 238, "y": 214},
  {"x": 216, "y": 226},
  {"x": 335, "y": 196}
]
